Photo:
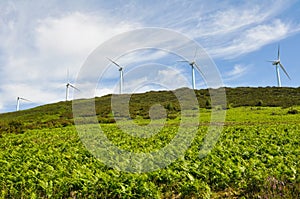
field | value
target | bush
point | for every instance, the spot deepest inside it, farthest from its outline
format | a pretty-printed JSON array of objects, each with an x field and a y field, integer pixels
[
  {"x": 259, "y": 103},
  {"x": 208, "y": 104},
  {"x": 172, "y": 116},
  {"x": 16, "y": 127},
  {"x": 104, "y": 120},
  {"x": 293, "y": 111},
  {"x": 170, "y": 106}
]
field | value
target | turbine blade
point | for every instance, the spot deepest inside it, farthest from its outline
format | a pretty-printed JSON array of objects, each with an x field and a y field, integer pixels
[
  {"x": 183, "y": 61},
  {"x": 200, "y": 70},
  {"x": 114, "y": 62},
  {"x": 195, "y": 54},
  {"x": 271, "y": 61},
  {"x": 24, "y": 99},
  {"x": 74, "y": 87},
  {"x": 278, "y": 55},
  {"x": 284, "y": 70},
  {"x": 67, "y": 75}
]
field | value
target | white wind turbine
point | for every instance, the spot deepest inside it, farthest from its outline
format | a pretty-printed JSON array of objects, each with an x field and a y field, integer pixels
[
  {"x": 193, "y": 64},
  {"x": 121, "y": 74},
  {"x": 18, "y": 102},
  {"x": 278, "y": 64},
  {"x": 69, "y": 85}
]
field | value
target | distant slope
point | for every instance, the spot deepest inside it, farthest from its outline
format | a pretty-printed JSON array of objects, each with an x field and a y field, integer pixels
[
  {"x": 269, "y": 96},
  {"x": 60, "y": 114}
]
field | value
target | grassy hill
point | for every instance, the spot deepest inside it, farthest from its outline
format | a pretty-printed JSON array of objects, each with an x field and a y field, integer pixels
[
  {"x": 60, "y": 114},
  {"x": 256, "y": 156}
]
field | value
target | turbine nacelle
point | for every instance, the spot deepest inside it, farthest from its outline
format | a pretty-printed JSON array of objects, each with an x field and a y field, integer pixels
[
  {"x": 274, "y": 62},
  {"x": 193, "y": 63}
]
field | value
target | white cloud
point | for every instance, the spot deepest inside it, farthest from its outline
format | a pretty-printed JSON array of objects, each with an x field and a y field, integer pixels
[
  {"x": 142, "y": 55},
  {"x": 173, "y": 78},
  {"x": 231, "y": 30},
  {"x": 103, "y": 91},
  {"x": 34, "y": 93},
  {"x": 268, "y": 32},
  {"x": 237, "y": 72},
  {"x": 72, "y": 38},
  {"x": 76, "y": 33},
  {"x": 55, "y": 45},
  {"x": 252, "y": 39},
  {"x": 234, "y": 18}
]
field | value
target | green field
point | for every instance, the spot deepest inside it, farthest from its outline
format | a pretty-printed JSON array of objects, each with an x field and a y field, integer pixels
[{"x": 256, "y": 156}]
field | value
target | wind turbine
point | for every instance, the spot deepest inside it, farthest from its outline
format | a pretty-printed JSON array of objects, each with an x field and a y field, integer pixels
[
  {"x": 193, "y": 64},
  {"x": 69, "y": 85},
  {"x": 18, "y": 102},
  {"x": 278, "y": 64},
  {"x": 121, "y": 74}
]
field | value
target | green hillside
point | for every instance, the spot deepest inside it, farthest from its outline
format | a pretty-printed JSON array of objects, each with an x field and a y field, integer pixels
[
  {"x": 256, "y": 156},
  {"x": 60, "y": 114}
]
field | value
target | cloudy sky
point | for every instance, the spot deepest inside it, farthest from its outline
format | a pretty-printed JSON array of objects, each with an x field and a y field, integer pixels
[{"x": 41, "y": 40}]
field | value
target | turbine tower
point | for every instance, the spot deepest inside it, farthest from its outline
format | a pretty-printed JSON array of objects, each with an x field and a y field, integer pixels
[
  {"x": 69, "y": 85},
  {"x": 18, "y": 102},
  {"x": 121, "y": 74},
  {"x": 193, "y": 64},
  {"x": 278, "y": 64}
]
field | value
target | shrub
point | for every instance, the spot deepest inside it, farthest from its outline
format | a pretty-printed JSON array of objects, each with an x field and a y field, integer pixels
[
  {"x": 293, "y": 111},
  {"x": 172, "y": 116},
  {"x": 15, "y": 127},
  {"x": 259, "y": 103},
  {"x": 170, "y": 106},
  {"x": 207, "y": 104}
]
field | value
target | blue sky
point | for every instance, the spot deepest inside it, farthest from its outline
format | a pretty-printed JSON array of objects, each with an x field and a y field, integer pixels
[{"x": 41, "y": 40}]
